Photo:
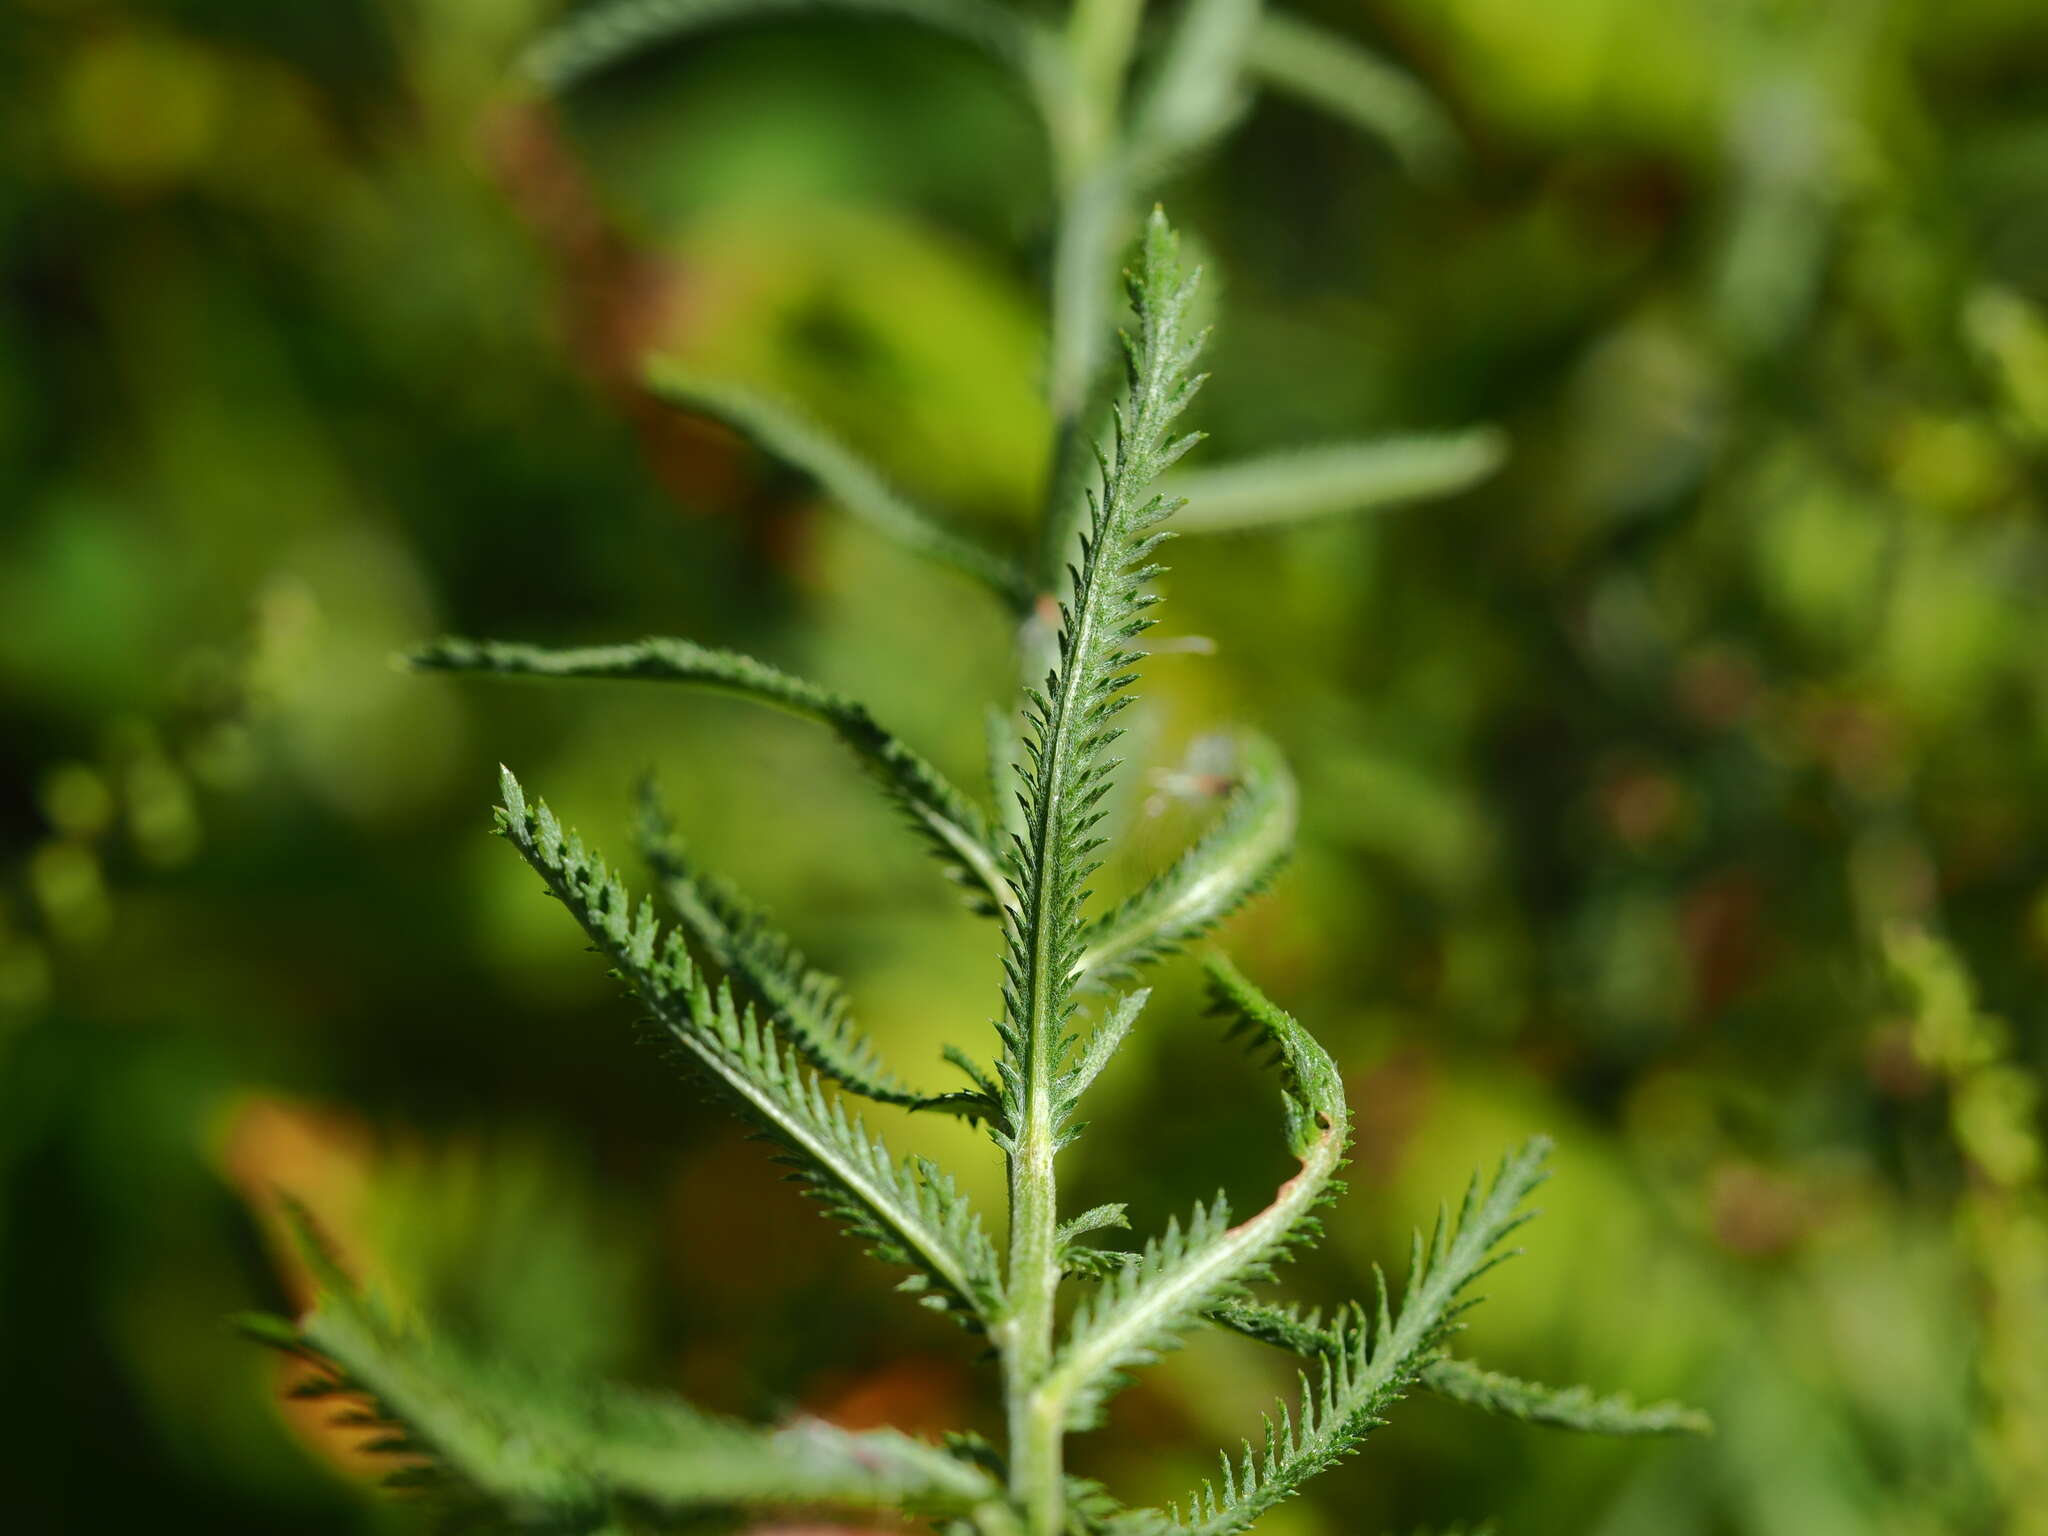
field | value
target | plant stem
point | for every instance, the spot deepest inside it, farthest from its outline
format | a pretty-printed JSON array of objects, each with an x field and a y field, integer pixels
[
  {"x": 1037, "y": 1474},
  {"x": 1092, "y": 191}
]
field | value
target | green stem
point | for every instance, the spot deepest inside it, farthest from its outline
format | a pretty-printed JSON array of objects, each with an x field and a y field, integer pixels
[
  {"x": 1037, "y": 1426},
  {"x": 1089, "y": 151},
  {"x": 1037, "y": 1472}
]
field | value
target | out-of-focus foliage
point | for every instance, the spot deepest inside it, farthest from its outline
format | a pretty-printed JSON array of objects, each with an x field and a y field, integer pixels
[{"x": 1616, "y": 773}]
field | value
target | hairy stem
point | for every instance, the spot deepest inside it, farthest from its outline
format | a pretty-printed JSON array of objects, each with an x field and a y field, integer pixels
[
  {"x": 1036, "y": 1427},
  {"x": 1100, "y": 36},
  {"x": 1093, "y": 195},
  {"x": 1037, "y": 1449},
  {"x": 1066, "y": 775}
]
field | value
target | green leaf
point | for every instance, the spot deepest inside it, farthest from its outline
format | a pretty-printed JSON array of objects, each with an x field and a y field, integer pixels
[
  {"x": 1227, "y": 865},
  {"x": 1089, "y": 1263},
  {"x": 1142, "y": 1309},
  {"x": 1064, "y": 772},
  {"x": 947, "y": 820},
  {"x": 599, "y": 36},
  {"x": 1101, "y": 1045},
  {"x": 1327, "y": 70},
  {"x": 910, "y": 1211},
  {"x": 1336, "y": 478},
  {"x": 1313, "y": 1093},
  {"x": 1090, "y": 1507},
  {"x": 1560, "y": 1407},
  {"x": 1463, "y": 1382},
  {"x": 1286, "y": 1327},
  {"x": 1198, "y": 86},
  {"x": 549, "y": 1450},
  {"x": 784, "y": 433},
  {"x": 808, "y": 1006},
  {"x": 1371, "y": 1364},
  {"x": 1100, "y": 1218}
]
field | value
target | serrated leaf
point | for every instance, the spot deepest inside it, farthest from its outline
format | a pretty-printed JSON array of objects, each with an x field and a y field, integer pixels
[
  {"x": 545, "y": 1449},
  {"x": 909, "y": 1210},
  {"x": 1143, "y": 1308},
  {"x": 1576, "y": 1407},
  {"x": 1232, "y": 861},
  {"x": 1090, "y": 1506},
  {"x": 807, "y": 1005},
  {"x": 1063, "y": 772},
  {"x": 1085, "y": 1262},
  {"x": 1100, "y": 1218},
  {"x": 1371, "y": 1362},
  {"x": 1461, "y": 1381},
  {"x": 1083, "y": 1259},
  {"x": 1284, "y": 1327},
  {"x": 946, "y": 819},
  {"x": 1102, "y": 1043}
]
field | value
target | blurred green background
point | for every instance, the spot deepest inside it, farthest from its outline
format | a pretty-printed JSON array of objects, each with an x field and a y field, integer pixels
[{"x": 1628, "y": 778}]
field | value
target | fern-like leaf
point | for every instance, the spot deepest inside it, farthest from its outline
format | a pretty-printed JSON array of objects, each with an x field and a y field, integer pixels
[
  {"x": 910, "y": 1211},
  {"x": 1100, "y": 1218},
  {"x": 1461, "y": 1381},
  {"x": 1064, "y": 773},
  {"x": 1374, "y": 1362},
  {"x": 1298, "y": 1331},
  {"x": 1232, "y": 861},
  {"x": 1085, "y": 1262},
  {"x": 1082, "y": 1259},
  {"x": 784, "y": 433},
  {"x": 808, "y": 1006},
  {"x": 1576, "y": 1408},
  {"x": 1146, "y": 1306},
  {"x": 950, "y": 824},
  {"x": 555, "y": 1453},
  {"x": 1102, "y": 1044}
]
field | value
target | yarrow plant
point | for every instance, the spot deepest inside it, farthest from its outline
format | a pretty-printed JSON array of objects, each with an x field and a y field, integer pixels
[{"x": 776, "y": 1039}]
